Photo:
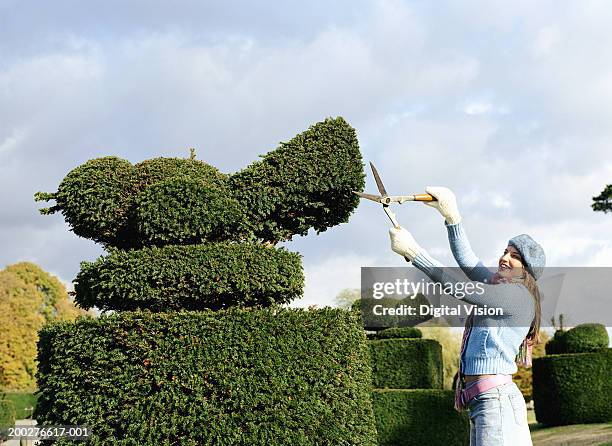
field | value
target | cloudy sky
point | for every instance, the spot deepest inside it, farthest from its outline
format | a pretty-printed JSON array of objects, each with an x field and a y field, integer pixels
[{"x": 507, "y": 103}]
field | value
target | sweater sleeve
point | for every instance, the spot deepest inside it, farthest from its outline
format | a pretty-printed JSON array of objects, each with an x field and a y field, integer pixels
[
  {"x": 469, "y": 262},
  {"x": 512, "y": 298}
]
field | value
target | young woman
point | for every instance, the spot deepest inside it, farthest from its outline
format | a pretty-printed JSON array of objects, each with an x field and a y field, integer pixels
[{"x": 491, "y": 344}]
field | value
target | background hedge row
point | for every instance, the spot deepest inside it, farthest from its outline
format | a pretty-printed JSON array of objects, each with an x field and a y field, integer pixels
[
  {"x": 419, "y": 417},
  {"x": 239, "y": 377},
  {"x": 406, "y": 364},
  {"x": 573, "y": 388},
  {"x": 208, "y": 276},
  {"x": 305, "y": 183}
]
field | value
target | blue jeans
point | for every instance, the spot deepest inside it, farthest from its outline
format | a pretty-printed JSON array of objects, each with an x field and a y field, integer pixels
[{"x": 498, "y": 417}]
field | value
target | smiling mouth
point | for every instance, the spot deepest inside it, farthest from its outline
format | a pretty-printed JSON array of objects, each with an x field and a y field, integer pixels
[{"x": 504, "y": 267}]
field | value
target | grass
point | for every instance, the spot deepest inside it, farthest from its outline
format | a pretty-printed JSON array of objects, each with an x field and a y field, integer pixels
[{"x": 22, "y": 401}]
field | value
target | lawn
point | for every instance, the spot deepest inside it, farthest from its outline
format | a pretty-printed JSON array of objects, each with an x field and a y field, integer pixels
[{"x": 24, "y": 403}]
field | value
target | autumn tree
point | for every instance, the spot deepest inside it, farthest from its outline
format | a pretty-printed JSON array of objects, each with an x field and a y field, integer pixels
[{"x": 29, "y": 298}]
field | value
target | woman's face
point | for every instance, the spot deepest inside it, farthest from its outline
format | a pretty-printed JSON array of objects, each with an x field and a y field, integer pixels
[{"x": 510, "y": 263}]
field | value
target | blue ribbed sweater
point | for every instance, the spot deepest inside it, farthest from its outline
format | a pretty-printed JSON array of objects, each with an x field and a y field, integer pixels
[{"x": 494, "y": 341}]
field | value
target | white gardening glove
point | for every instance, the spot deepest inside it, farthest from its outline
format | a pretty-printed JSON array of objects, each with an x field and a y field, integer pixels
[
  {"x": 446, "y": 203},
  {"x": 403, "y": 243}
]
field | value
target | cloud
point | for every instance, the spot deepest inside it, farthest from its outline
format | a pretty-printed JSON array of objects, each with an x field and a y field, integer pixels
[{"x": 493, "y": 100}]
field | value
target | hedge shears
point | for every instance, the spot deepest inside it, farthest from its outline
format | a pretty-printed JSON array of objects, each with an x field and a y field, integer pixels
[{"x": 386, "y": 199}]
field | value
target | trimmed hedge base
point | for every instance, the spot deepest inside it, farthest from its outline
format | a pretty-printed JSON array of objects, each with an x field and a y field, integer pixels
[
  {"x": 239, "y": 377},
  {"x": 573, "y": 388},
  {"x": 210, "y": 276},
  {"x": 406, "y": 364},
  {"x": 419, "y": 417}
]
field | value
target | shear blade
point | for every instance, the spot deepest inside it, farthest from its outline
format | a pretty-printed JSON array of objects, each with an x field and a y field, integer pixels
[{"x": 379, "y": 183}]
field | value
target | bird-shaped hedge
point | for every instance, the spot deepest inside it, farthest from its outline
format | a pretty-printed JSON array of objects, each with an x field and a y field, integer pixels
[{"x": 180, "y": 234}]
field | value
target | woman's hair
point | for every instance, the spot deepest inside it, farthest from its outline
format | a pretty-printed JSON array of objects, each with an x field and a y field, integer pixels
[{"x": 533, "y": 335}]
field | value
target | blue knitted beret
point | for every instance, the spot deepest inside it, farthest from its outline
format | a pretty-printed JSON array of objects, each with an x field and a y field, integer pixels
[{"x": 532, "y": 253}]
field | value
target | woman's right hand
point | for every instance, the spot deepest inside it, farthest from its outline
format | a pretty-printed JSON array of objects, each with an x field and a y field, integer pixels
[{"x": 445, "y": 203}]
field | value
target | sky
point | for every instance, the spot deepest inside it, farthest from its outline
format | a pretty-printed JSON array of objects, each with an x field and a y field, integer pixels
[{"x": 509, "y": 104}]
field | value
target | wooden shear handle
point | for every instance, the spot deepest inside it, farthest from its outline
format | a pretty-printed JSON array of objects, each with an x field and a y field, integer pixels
[{"x": 423, "y": 197}]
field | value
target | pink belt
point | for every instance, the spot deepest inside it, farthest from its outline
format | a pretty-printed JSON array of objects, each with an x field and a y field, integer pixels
[{"x": 482, "y": 385}]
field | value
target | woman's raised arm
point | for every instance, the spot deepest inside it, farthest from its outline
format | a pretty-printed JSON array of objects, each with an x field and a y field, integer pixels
[{"x": 468, "y": 261}]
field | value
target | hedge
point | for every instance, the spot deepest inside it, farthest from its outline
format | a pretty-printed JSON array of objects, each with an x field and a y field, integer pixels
[
  {"x": 96, "y": 199},
  {"x": 582, "y": 338},
  {"x": 239, "y": 377},
  {"x": 396, "y": 332},
  {"x": 573, "y": 388},
  {"x": 305, "y": 183},
  {"x": 406, "y": 364},
  {"x": 182, "y": 210},
  {"x": 419, "y": 417},
  {"x": 212, "y": 275}
]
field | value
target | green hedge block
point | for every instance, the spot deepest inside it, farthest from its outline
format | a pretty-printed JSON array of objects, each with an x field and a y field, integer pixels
[
  {"x": 208, "y": 276},
  {"x": 573, "y": 388},
  {"x": 419, "y": 417},
  {"x": 239, "y": 377},
  {"x": 582, "y": 338},
  {"x": 406, "y": 364},
  {"x": 397, "y": 332}
]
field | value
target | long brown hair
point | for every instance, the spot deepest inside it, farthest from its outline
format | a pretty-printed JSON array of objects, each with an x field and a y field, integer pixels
[{"x": 533, "y": 335}]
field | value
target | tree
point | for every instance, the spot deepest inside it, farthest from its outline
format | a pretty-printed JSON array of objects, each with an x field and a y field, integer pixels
[
  {"x": 603, "y": 201},
  {"x": 29, "y": 298},
  {"x": 347, "y": 297}
]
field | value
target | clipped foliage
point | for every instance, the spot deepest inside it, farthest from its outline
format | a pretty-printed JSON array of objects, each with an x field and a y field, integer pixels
[
  {"x": 419, "y": 417},
  {"x": 241, "y": 377},
  {"x": 96, "y": 199},
  {"x": 582, "y": 338},
  {"x": 585, "y": 338},
  {"x": 182, "y": 210},
  {"x": 553, "y": 346},
  {"x": 305, "y": 183},
  {"x": 153, "y": 171},
  {"x": 573, "y": 388},
  {"x": 209, "y": 276},
  {"x": 396, "y": 332},
  {"x": 406, "y": 364}
]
